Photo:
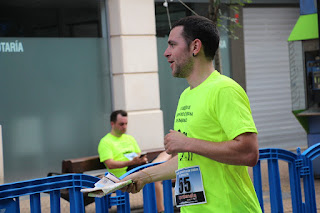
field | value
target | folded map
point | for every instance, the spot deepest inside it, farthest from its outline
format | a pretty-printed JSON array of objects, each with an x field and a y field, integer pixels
[{"x": 108, "y": 184}]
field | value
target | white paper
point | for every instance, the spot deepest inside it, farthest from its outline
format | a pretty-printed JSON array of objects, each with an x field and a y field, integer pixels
[
  {"x": 106, "y": 185},
  {"x": 131, "y": 155}
]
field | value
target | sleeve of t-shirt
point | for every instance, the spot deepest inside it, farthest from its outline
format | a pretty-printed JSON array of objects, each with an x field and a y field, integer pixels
[
  {"x": 104, "y": 151},
  {"x": 234, "y": 113}
]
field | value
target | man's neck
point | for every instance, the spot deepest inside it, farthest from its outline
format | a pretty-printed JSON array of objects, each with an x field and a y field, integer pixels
[
  {"x": 201, "y": 71},
  {"x": 115, "y": 134}
]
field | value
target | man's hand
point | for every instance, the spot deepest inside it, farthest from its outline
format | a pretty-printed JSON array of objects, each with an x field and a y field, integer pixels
[
  {"x": 175, "y": 142},
  {"x": 139, "y": 160},
  {"x": 164, "y": 171},
  {"x": 139, "y": 180}
]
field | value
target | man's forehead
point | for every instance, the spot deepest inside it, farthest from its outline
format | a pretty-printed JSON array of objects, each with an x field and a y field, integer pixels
[
  {"x": 176, "y": 32},
  {"x": 120, "y": 117}
]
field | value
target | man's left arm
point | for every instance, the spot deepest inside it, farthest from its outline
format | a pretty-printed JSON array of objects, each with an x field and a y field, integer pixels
[{"x": 242, "y": 150}]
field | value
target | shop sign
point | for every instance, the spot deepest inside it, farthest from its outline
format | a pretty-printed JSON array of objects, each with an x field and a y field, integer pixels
[{"x": 11, "y": 47}]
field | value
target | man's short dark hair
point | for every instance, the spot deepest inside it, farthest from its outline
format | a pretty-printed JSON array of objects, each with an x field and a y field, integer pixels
[
  {"x": 114, "y": 115},
  {"x": 199, "y": 27}
]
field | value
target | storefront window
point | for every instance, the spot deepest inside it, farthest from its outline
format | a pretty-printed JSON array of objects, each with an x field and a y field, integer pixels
[
  {"x": 49, "y": 19},
  {"x": 55, "y": 92}
]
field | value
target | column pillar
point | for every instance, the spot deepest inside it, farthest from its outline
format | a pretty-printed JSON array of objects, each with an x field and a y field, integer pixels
[{"x": 134, "y": 68}]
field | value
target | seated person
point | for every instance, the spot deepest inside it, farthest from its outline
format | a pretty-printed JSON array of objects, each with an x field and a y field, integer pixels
[
  {"x": 120, "y": 152},
  {"x": 117, "y": 150}
]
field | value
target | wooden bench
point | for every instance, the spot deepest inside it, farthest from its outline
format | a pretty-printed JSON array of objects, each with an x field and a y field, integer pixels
[
  {"x": 80, "y": 165},
  {"x": 86, "y": 164},
  {"x": 83, "y": 164}
]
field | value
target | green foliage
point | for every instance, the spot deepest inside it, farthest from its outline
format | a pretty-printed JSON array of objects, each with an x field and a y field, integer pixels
[{"x": 219, "y": 18}]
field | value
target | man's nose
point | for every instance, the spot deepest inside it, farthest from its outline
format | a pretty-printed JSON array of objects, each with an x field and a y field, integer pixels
[{"x": 166, "y": 53}]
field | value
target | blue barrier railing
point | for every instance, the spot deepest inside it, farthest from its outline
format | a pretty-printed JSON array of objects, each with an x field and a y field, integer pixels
[
  {"x": 307, "y": 175},
  {"x": 273, "y": 156},
  {"x": 10, "y": 193},
  {"x": 299, "y": 168},
  {"x": 149, "y": 197}
]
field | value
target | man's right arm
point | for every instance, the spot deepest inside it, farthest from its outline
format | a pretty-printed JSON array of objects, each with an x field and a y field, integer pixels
[{"x": 164, "y": 171}]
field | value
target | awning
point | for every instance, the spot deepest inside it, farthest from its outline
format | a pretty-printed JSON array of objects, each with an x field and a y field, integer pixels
[{"x": 306, "y": 28}]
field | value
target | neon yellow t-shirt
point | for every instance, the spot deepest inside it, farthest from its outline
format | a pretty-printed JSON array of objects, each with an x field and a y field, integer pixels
[
  {"x": 112, "y": 147},
  {"x": 217, "y": 110}
]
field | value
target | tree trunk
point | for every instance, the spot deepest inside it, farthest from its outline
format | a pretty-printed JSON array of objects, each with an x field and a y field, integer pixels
[{"x": 213, "y": 15}]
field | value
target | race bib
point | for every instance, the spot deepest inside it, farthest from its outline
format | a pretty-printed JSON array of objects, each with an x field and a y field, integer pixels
[{"x": 189, "y": 187}]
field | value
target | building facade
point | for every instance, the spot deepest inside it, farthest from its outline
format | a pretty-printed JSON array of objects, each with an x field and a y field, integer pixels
[{"x": 64, "y": 66}]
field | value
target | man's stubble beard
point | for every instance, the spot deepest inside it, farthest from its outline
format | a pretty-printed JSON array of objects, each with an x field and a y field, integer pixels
[{"x": 184, "y": 70}]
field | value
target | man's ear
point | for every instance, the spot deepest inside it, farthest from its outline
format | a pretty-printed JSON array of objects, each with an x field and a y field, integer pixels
[{"x": 196, "y": 46}]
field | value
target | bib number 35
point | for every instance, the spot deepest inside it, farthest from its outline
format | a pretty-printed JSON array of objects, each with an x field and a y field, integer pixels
[
  {"x": 189, "y": 187},
  {"x": 184, "y": 185}
]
